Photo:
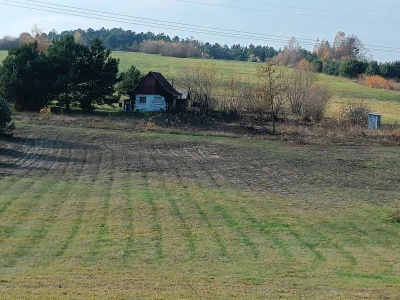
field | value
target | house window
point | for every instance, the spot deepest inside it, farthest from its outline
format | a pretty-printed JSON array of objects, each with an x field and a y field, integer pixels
[
  {"x": 142, "y": 100},
  {"x": 158, "y": 101}
]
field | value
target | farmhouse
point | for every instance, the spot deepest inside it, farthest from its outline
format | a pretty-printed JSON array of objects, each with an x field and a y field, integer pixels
[{"x": 155, "y": 93}]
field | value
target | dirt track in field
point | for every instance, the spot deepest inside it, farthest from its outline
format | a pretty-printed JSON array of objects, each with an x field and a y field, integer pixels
[{"x": 61, "y": 152}]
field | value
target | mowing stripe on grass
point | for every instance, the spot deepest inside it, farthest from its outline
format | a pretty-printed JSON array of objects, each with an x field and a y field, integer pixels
[
  {"x": 104, "y": 194},
  {"x": 148, "y": 197},
  {"x": 39, "y": 233},
  {"x": 262, "y": 228},
  {"x": 130, "y": 242},
  {"x": 345, "y": 253},
  {"x": 10, "y": 200},
  {"x": 16, "y": 161},
  {"x": 203, "y": 215},
  {"x": 79, "y": 214},
  {"x": 319, "y": 258},
  {"x": 39, "y": 228},
  {"x": 189, "y": 236},
  {"x": 232, "y": 223},
  {"x": 362, "y": 244},
  {"x": 83, "y": 193}
]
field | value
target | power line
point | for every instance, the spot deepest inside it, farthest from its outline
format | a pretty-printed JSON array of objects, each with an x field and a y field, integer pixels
[
  {"x": 248, "y": 35},
  {"x": 163, "y": 26},
  {"x": 155, "y": 20},
  {"x": 156, "y": 25},
  {"x": 284, "y": 12},
  {"x": 314, "y": 9}
]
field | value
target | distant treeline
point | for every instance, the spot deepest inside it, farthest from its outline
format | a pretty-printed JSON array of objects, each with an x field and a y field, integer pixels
[
  {"x": 346, "y": 56},
  {"x": 118, "y": 39}
]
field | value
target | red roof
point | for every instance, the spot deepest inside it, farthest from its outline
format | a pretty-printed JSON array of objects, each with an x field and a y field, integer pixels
[{"x": 165, "y": 83}]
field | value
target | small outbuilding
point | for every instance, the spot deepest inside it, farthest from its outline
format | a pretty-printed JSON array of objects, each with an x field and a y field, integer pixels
[
  {"x": 154, "y": 93},
  {"x": 374, "y": 121},
  {"x": 184, "y": 100}
]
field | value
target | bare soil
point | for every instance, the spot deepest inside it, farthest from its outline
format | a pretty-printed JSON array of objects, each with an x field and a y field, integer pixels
[{"x": 265, "y": 166}]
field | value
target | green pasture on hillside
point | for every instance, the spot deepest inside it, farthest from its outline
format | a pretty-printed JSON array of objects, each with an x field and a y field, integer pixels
[{"x": 384, "y": 102}]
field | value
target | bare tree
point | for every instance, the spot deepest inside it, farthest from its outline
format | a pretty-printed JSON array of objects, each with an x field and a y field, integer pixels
[
  {"x": 37, "y": 35},
  {"x": 230, "y": 102},
  {"x": 293, "y": 45},
  {"x": 351, "y": 46},
  {"x": 25, "y": 38},
  {"x": 356, "y": 48},
  {"x": 297, "y": 88},
  {"x": 200, "y": 82},
  {"x": 316, "y": 101},
  {"x": 151, "y": 47},
  {"x": 271, "y": 91}
]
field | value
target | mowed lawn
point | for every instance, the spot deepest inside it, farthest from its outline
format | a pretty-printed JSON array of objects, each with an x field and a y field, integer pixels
[
  {"x": 384, "y": 102},
  {"x": 93, "y": 214}
]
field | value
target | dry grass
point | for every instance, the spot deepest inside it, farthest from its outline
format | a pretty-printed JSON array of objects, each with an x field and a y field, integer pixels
[
  {"x": 379, "y": 82},
  {"x": 327, "y": 132},
  {"x": 389, "y": 110}
]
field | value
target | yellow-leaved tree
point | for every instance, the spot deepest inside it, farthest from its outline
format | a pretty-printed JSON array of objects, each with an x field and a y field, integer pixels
[{"x": 272, "y": 91}]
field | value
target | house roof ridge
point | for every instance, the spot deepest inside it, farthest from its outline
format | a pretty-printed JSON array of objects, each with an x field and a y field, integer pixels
[{"x": 163, "y": 81}]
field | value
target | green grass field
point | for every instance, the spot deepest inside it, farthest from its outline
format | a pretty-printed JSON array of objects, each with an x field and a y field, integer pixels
[
  {"x": 100, "y": 214},
  {"x": 384, "y": 102}
]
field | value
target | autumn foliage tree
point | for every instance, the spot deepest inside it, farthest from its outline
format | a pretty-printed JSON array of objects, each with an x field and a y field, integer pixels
[
  {"x": 344, "y": 47},
  {"x": 37, "y": 35},
  {"x": 271, "y": 91}
]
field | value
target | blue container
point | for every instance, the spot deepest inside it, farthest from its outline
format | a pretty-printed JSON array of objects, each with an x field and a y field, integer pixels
[
  {"x": 374, "y": 121},
  {"x": 127, "y": 107}
]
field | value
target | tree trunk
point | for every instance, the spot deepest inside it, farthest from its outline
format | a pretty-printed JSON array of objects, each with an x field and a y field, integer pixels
[
  {"x": 273, "y": 123},
  {"x": 273, "y": 115}
]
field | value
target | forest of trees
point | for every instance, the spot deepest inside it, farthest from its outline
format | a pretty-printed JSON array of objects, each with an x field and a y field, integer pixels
[
  {"x": 346, "y": 56},
  {"x": 118, "y": 39},
  {"x": 69, "y": 72}
]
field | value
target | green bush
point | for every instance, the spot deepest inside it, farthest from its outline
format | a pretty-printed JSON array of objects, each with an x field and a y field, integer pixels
[
  {"x": 396, "y": 216},
  {"x": 316, "y": 65},
  {"x": 25, "y": 77},
  {"x": 129, "y": 82},
  {"x": 331, "y": 67},
  {"x": 352, "y": 68},
  {"x": 373, "y": 68},
  {"x": 6, "y": 124}
]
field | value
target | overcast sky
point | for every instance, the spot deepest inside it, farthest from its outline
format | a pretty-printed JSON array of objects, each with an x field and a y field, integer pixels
[{"x": 375, "y": 22}]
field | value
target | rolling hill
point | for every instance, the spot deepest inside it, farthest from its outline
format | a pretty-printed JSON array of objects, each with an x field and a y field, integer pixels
[{"x": 384, "y": 102}]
